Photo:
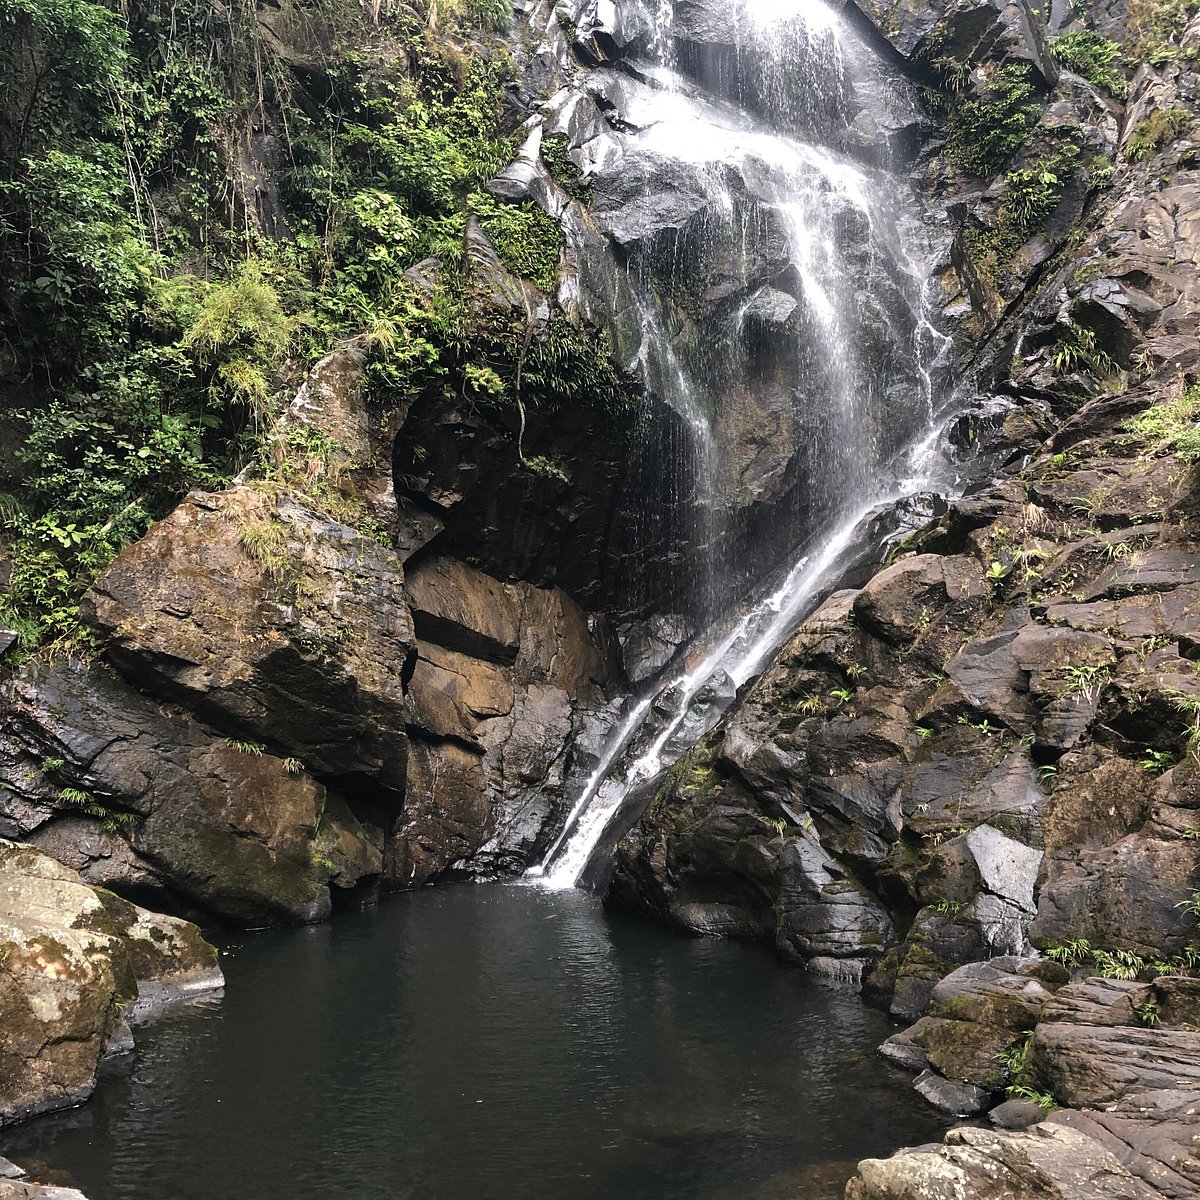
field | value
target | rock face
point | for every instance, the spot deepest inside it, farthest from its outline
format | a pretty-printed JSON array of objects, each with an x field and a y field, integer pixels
[
  {"x": 492, "y": 711},
  {"x": 150, "y": 802},
  {"x": 272, "y": 623},
  {"x": 73, "y": 959},
  {"x": 990, "y": 740}
]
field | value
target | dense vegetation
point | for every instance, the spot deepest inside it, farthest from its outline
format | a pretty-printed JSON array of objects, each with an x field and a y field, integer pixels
[{"x": 196, "y": 202}]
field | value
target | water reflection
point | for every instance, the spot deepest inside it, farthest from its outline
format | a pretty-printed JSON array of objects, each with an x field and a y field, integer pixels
[{"x": 491, "y": 1042}]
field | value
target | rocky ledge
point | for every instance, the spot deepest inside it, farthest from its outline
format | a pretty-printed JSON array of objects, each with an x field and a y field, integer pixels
[
  {"x": 1122, "y": 1058},
  {"x": 15, "y": 1185}
]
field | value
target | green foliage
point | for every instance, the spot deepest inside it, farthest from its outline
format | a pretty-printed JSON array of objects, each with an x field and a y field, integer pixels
[
  {"x": 1096, "y": 58},
  {"x": 1162, "y": 126},
  {"x": 1156, "y": 27},
  {"x": 1079, "y": 351},
  {"x": 255, "y": 749},
  {"x": 555, "y": 154},
  {"x": 527, "y": 239},
  {"x": 987, "y": 131},
  {"x": 1172, "y": 427},
  {"x": 111, "y": 820},
  {"x": 155, "y": 317},
  {"x": 1030, "y": 197},
  {"x": 1072, "y": 953}
]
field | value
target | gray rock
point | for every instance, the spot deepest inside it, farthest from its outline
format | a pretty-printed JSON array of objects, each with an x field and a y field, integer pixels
[
  {"x": 1016, "y": 1114},
  {"x": 958, "y": 1099},
  {"x": 901, "y": 1050}
]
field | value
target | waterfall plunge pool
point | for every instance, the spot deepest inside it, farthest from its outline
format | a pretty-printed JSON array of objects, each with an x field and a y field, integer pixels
[{"x": 490, "y": 1042}]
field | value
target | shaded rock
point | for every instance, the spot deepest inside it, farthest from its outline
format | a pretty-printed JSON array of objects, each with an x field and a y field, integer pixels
[
  {"x": 193, "y": 818},
  {"x": 463, "y": 609},
  {"x": 494, "y": 703},
  {"x": 269, "y": 621},
  {"x": 1122, "y": 896}
]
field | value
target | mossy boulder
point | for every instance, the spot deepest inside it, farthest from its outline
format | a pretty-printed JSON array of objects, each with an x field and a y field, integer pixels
[{"x": 73, "y": 960}]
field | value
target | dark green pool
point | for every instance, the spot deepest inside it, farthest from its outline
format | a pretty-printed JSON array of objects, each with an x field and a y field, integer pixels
[{"x": 491, "y": 1042}]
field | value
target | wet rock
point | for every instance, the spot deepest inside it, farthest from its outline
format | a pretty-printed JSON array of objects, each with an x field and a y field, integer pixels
[
  {"x": 904, "y": 1052},
  {"x": 271, "y": 622},
  {"x": 494, "y": 702},
  {"x": 72, "y": 960},
  {"x": 822, "y": 911},
  {"x": 976, "y": 31},
  {"x": 958, "y": 1099}
]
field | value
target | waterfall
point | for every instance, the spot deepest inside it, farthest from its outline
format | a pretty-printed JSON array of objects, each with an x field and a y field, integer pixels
[{"x": 774, "y": 261}]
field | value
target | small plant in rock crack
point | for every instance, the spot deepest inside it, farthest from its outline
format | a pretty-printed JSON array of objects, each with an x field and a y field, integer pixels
[
  {"x": 253, "y": 748},
  {"x": 1147, "y": 1014},
  {"x": 842, "y": 694},
  {"x": 1046, "y": 774},
  {"x": 1086, "y": 679},
  {"x": 948, "y": 908},
  {"x": 293, "y": 766},
  {"x": 1191, "y": 905},
  {"x": 1158, "y": 761},
  {"x": 778, "y": 824},
  {"x": 924, "y": 732},
  {"x": 985, "y": 726},
  {"x": 1118, "y": 964},
  {"x": 1074, "y": 952},
  {"x": 111, "y": 820}
]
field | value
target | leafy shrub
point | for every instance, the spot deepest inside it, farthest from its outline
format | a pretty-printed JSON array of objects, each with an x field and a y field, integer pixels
[
  {"x": 1098, "y": 59},
  {"x": 986, "y": 132}
]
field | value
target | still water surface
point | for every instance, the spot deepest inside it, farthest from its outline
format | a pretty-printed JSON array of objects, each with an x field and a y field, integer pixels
[{"x": 491, "y": 1043}]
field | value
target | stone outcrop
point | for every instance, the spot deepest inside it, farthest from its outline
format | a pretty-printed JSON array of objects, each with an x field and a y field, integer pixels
[
  {"x": 492, "y": 709},
  {"x": 1128, "y": 1083},
  {"x": 272, "y": 623},
  {"x": 146, "y": 800},
  {"x": 73, "y": 961}
]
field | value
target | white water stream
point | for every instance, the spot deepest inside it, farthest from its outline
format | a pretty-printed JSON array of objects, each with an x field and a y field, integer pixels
[{"x": 844, "y": 239}]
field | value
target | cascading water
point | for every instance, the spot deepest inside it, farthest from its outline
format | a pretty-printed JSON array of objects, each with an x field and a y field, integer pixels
[{"x": 774, "y": 264}]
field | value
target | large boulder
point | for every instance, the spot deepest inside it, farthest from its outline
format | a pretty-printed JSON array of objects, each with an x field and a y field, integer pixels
[
  {"x": 72, "y": 960},
  {"x": 275, "y": 624}
]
